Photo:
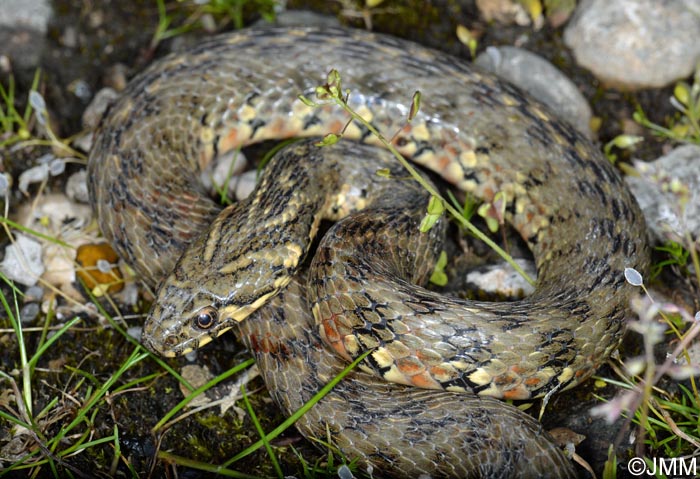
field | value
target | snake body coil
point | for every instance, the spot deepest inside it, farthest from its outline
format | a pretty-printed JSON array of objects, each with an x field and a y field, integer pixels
[{"x": 479, "y": 134}]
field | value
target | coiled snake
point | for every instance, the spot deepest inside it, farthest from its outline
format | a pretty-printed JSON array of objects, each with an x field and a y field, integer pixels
[{"x": 476, "y": 132}]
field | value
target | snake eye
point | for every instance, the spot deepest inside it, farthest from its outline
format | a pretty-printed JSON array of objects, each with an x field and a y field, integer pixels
[{"x": 206, "y": 317}]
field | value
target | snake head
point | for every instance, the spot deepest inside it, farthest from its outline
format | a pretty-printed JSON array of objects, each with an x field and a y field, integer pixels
[
  {"x": 218, "y": 282},
  {"x": 181, "y": 321}
]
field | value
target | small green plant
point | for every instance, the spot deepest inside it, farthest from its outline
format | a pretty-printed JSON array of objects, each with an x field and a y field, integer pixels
[
  {"x": 16, "y": 126},
  {"x": 198, "y": 14},
  {"x": 685, "y": 127},
  {"x": 622, "y": 142},
  {"x": 46, "y": 447},
  {"x": 32, "y": 127},
  {"x": 468, "y": 38},
  {"x": 676, "y": 255},
  {"x": 332, "y": 92},
  {"x": 667, "y": 424},
  {"x": 265, "y": 438}
]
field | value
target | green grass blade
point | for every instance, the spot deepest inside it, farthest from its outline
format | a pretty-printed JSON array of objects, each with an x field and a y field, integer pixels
[
  {"x": 201, "y": 389},
  {"x": 259, "y": 428},
  {"x": 300, "y": 412},
  {"x": 203, "y": 466}
]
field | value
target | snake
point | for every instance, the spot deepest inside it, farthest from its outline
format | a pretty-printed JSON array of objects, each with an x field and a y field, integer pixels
[{"x": 426, "y": 398}]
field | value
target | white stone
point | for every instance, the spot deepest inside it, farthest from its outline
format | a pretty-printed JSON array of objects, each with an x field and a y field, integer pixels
[
  {"x": 666, "y": 217},
  {"x": 22, "y": 262},
  {"x": 636, "y": 43},
  {"x": 245, "y": 184}
]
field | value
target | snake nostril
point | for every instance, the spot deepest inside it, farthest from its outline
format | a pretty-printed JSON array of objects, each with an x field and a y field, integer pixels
[{"x": 170, "y": 341}]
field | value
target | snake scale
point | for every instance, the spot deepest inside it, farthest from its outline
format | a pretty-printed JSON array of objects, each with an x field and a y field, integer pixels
[{"x": 242, "y": 267}]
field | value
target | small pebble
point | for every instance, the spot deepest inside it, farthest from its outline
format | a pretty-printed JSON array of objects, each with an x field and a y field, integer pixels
[
  {"x": 135, "y": 332},
  {"x": 23, "y": 26},
  {"x": 81, "y": 89},
  {"x": 34, "y": 293},
  {"x": 76, "y": 187},
  {"x": 502, "y": 279},
  {"x": 34, "y": 14},
  {"x": 223, "y": 171},
  {"x": 69, "y": 39},
  {"x": 344, "y": 472},
  {"x": 504, "y": 11},
  {"x": 116, "y": 77},
  {"x": 94, "y": 111},
  {"x": 245, "y": 184},
  {"x": 293, "y": 18},
  {"x": 29, "y": 313},
  {"x": 22, "y": 262}
]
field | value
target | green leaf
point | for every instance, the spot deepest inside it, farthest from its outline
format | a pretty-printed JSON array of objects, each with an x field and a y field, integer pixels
[
  {"x": 428, "y": 222},
  {"x": 415, "y": 106},
  {"x": 626, "y": 141},
  {"x": 322, "y": 93},
  {"x": 439, "y": 278},
  {"x": 329, "y": 139},
  {"x": 333, "y": 84},
  {"x": 494, "y": 212},
  {"x": 384, "y": 172},
  {"x": 682, "y": 93},
  {"x": 436, "y": 208},
  {"x": 307, "y": 101},
  {"x": 485, "y": 211}
]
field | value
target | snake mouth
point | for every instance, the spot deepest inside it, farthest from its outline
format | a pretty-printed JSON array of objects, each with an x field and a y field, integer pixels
[
  {"x": 169, "y": 347},
  {"x": 168, "y": 344},
  {"x": 154, "y": 347},
  {"x": 178, "y": 344}
]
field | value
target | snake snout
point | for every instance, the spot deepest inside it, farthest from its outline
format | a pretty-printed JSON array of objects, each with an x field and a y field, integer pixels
[{"x": 160, "y": 341}]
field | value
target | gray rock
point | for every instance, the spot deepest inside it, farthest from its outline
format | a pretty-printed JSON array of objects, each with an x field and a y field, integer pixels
[
  {"x": 76, "y": 187},
  {"x": 20, "y": 49},
  {"x": 224, "y": 171},
  {"x": 94, "y": 111},
  {"x": 654, "y": 190},
  {"x": 32, "y": 14},
  {"x": 245, "y": 184},
  {"x": 22, "y": 262},
  {"x": 636, "y": 43},
  {"x": 540, "y": 79},
  {"x": 29, "y": 313},
  {"x": 504, "y": 11},
  {"x": 502, "y": 279},
  {"x": 23, "y": 25}
]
